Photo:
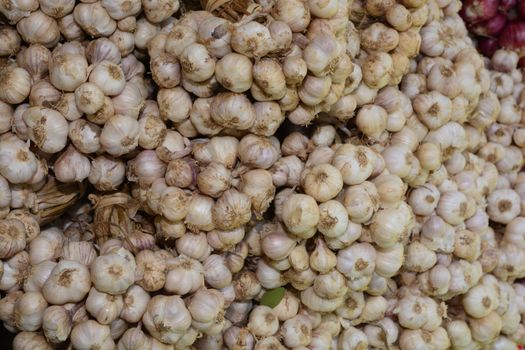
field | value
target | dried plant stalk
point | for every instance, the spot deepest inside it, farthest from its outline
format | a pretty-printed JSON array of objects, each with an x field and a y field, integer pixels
[
  {"x": 55, "y": 198},
  {"x": 233, "y": 10},
  {"x": 113, "y": 216}
]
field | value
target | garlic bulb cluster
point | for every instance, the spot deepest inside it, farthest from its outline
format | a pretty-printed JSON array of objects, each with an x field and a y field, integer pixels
[{"x": 285, "y": 174}]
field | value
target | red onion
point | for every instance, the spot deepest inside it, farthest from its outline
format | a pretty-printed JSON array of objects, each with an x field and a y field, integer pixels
[
  {"x": 521, "y": 63},
  {"x": 505, "y": 5},
  {"x": 513, "y": 36},
  {"x": 491, "y": 27},
  {"x": 474, "y": 11},
  {"x": 521, "y": 9},
  {"x": 488, "y": 46}
]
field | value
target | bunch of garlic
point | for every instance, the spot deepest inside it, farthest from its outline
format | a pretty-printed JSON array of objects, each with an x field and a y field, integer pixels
[{"x": 358, "y": 154}]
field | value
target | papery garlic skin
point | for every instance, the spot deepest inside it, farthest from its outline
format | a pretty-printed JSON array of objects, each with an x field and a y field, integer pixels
[
  {"x": 135, "y": 302},
  {"x": 104, "y": 307},
  {"x": 56, "y": 323},
  {"x": 169, "y": 311},
  {"x": 323, "y": 182},
  {"x": 262, "y": 321},
  {"x": 94, "y": 19},
  {"x": 30, "y": 340},
  {"x": 48, "y": 129},
  {"x": 184, "y": 275},
  {"x": 12, "y": 233},
  {"x": 106, "y": 173},
  {"x": 72, "y": 166},
  {"x": 39, "y": 28},
  {"x": 29, "y": 311},
  {"x": 301, "y": 215},
  {"x": 17, "y": 163},
  {"x": 120, "y": 135},
  {"x": 69, "y": 282},
  {"x": 90, "y": 334},
  {"x": 120, "y": 265}
]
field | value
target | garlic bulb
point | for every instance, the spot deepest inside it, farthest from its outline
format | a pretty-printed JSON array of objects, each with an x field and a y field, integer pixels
[
  {"x": 258, "y": 185},
  {"x": 82, "y": 251},
  {"x": 333, "y": 220},
  {"x": 104, "y": 307},
  {"x": 503, "y": 205},
  {"x": 15, "y": 84},
  {"x": 68, "y": 70},
  {"x": 452, "y": 207},
  {"x": 94, "y": 19},
  {"x": 197, "y": 63},
  {"x": 199, "y": 215},
  {"x": 232, "y": 110},
  {"x": 130, "y": 101},
  {"x": 29, "y": 311},
  {"x": 47, "y": 128},
  {"x": 69, "y": 282},
  {"x": 84, "y": 135},
  {"x": 30, "y": 340},
  {"x": 486, "y": 328},
  {"x": 91, "y": 334},
  {"x": 185, "y": 275},
  {"x": 39, "y": 28},
  {"x": 263, "y": 322},
  {"x": 234, "y": 72},
  {"x": 231, "y": 210},
  {"x": 105, "y": 268},
  {"x": 174, "y": 104},
  {"x": 135, "y": 302},
  {"x": 297, "y": 331},
  {"x": 361, "y": 201},
  {"x": 391, "y": 226},
  {"x": 12, "y": 232},
  {"x": 323, "y": 182},
  {"x": 71, "y": 166},
  {"x": 10, "y": 42},
  {"x": 371, "y": 120},
  {"x": 43, "y": 94},
  {"x": 252, "y": 39},
  {"x": 301, "y": 215},
  {"x": 322, "y": 259},
  {"x": 17, "y": 163},
  {"x": 173, "y": 204},
  {"x": 258, "y": 151},
  {"x": 354, "y": 163},
  {"x": 35, "y": 60},
  {"x": 106, "y": 173},
  {"x": 56, "y": 323},
  {"x": 269, "y": 78},
  {"x": 205, "y": 305},
  {"x": 120, "y": 135},
  {"x": 167, "y": 318}
]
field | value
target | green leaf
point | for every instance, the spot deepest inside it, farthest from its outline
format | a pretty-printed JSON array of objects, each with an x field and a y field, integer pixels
[{"x": 272, "y": 297}]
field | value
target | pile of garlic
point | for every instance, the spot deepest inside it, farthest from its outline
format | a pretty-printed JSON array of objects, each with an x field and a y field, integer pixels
[{"x": 359, "y": 159}]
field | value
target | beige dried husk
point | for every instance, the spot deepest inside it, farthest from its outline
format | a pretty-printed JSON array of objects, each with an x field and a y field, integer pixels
[
  {"x": 113, "y": 216},
  {"x": 232, "y": 10},
  {"x": 52, "y": 200}
]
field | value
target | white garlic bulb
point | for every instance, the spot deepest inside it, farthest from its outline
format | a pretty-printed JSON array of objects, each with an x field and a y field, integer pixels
[
  {"x": 301, "y": 215},
  {"x": 106, "y": 270},
  {"x": 72, "y": 166},
  {"x": 69, "y": 282},
  {"x": 91, "y": 334},
  {"x": 105, "y": 308},
  {"x": 120, "y": 135},
  {"x": 184, "y": 275},
  {"x": 48, "y": 129},
  {"x": 167, "y": 318}
]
